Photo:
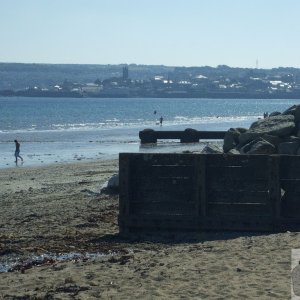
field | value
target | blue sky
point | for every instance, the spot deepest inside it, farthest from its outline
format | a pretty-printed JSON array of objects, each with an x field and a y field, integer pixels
[{"x": 236, "y": 33}]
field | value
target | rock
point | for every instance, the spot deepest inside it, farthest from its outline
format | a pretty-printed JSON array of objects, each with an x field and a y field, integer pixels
[
  {"x": 278, "y": 133},
  {"x": 291, "y": 139},
  {"x": 272, "y": 139},
  {"x": 212, "y": 149},
  {"x": 231, "y": 138},
  {"x": 288, "y": 148},
  {"x": 111, "y": 186},
  {"x": 294, "y": 111},
  {"x": 233, "y": 152},
  {"x": 262, "y": 147},
  {"x": 245, "y": 148},
  {"x": 278, "y": 126},
  {"x": 274, "y": 113}
]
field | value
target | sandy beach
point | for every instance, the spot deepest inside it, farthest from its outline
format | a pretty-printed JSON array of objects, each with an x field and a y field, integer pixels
[{"x": 60, "y": 236}]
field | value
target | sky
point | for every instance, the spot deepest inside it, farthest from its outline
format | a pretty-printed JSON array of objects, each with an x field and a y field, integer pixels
[{"x": 237, "y": 33}]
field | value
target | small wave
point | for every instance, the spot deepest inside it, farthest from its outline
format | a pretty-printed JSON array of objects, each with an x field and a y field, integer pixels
[
  {"x": 181, "y": 118},
  {"x": 138, "y": 123},
  {"x": 112, "y": 120},
  {"x": 211, "y": 119}
]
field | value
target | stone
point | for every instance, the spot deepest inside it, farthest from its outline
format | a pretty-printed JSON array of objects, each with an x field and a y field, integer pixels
[
  {"x": 278, "y": 126},
  {"x": 288, "y": 148},
  {"x": 262, "y": 147},
  {"x": 233, "y": 152},
  {"x": 277, "y": 133},
  {"x": 291, "y": 139},
  {"x": 246, "y": 148},
  {"x": 294, "y": 111},
  {"x": 111, "y": 186},
  {"x": 274, "y": 113},
  {"x": 212, "y": 149},
  {"x": 231, "y": 138},
  {"x": 272, "y": 139}
]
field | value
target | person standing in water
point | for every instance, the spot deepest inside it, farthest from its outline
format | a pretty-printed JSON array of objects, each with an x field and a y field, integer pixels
[
  {"x": 161, "y": 120},
  {"x": 17, "y": 152}
]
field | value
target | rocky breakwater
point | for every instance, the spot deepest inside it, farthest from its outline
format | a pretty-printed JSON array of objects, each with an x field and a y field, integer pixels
[{"x": 277, "y": 134}]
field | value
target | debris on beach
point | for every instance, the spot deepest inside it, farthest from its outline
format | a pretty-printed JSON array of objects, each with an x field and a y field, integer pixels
[{"x": 19, "y": 264}]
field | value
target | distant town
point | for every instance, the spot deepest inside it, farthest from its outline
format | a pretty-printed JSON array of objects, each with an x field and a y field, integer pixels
[{"x": 38, "y": 80}]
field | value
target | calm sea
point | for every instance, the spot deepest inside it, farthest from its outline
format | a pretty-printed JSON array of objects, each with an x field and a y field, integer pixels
[{"x": 53, "y": 130}]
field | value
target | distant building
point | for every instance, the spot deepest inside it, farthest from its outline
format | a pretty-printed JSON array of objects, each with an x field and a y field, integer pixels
[
  {"x": 91, "y": 89},
  {"x": 125, "y": 73}
]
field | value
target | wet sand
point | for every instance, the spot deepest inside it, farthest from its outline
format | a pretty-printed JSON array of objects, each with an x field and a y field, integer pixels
[{"x": 58, "y": 210}]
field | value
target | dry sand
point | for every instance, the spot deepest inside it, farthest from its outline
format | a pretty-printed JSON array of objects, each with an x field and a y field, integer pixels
[{"x": 58, "y": 209}]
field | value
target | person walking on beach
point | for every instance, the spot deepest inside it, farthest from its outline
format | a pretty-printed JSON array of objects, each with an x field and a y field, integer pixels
[{"x": 17, "y": 152}]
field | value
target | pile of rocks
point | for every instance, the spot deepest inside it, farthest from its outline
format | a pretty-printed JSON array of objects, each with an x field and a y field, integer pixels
[{"x": 277, "y": 133}]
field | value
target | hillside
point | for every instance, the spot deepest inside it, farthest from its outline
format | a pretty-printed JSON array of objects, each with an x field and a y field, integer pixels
[
  {"x": 73, "y": 80},
  {"x": 19, "y": 76}
]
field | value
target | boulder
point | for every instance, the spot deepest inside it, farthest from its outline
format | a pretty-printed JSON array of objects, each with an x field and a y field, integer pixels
[
  {"x": 294, "y": 111},
  {"x": 247, "y": 147},
  {"x": 290, "y": 148},
  {"x": 231, "y": 138},
  {"x": 291, "y": 139},
  {"x": 272, "y": 139},
  {"x": 212, "y": 149},
  {"x": 262, "y": 147},
  {"x": 274, "y": 113},
  {"x": 233, "y": 152},
  {"x": 111, "y": 186},
  {"x": 281, "y": 125}
]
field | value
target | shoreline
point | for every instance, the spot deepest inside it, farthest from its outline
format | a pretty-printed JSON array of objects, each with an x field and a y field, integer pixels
[
  {"x": 88, "y": 152},
  {"x": 81, "y": 161},
  {"x": 57, "y": 210},
  {"x": 232, "y": 95}
]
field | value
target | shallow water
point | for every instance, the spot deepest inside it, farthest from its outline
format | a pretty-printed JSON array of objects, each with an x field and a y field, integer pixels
[{"x": 58, "y": 130}]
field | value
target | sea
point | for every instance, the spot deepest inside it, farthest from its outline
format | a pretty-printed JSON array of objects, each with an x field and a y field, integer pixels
[{"x": 65, "y": 130}]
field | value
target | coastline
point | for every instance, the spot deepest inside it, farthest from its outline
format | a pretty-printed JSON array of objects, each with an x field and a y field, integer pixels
[
  {"x": 232, "y": 95},
  {"x": 58, "y": 210},
  {"x": 48, "y": 154}
]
